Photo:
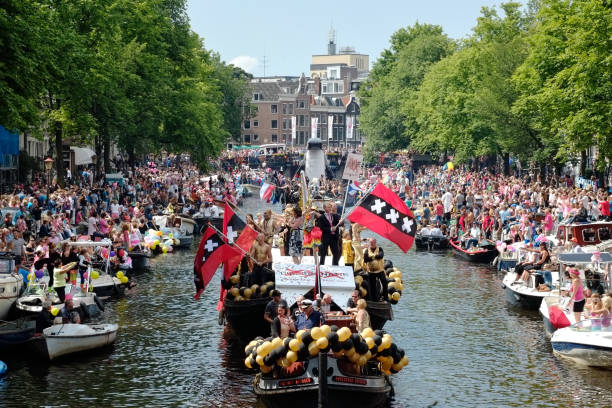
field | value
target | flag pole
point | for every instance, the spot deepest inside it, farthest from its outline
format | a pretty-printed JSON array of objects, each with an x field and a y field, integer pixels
[
  {"x": 348, "y": 182},
  {"x": 356, "y": 205}
]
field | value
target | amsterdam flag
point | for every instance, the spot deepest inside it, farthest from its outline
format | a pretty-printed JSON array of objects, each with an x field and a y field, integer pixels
[
  {"x": 234, "y": 227},
  {"x": 208, "y": 258},
  {"x": 385, "y": 213}
]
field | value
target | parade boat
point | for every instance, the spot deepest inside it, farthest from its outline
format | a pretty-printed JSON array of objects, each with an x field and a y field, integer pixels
[
  {"x": 554, "y": 309},
  {"x": 11, "y": 284},
  {"x": 245, "y": 316},
  {"x": 431, "y": 242},
  {"x": 586, "y": 233},
  {"x": 63, "y": 339},
  {"x": 140, "y": 258},
  {"x": 178, "y": 228},
  {"x": 344, "y": 389},
  {"x": 588, "y": 342},
  {"x": 356, "y": 373},
  {"x": 482, "y": 253},
  {"x": 15, "y": 333}
]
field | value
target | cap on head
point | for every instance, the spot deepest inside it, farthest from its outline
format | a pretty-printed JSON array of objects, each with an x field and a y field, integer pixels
[{"x": 306, "y": 303}]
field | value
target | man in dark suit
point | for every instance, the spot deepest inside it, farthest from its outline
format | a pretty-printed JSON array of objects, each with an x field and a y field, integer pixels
[{"x": 330, "y": 238}]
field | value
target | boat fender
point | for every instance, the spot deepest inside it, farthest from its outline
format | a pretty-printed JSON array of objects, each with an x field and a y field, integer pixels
[{"x": 99, "y": 303}]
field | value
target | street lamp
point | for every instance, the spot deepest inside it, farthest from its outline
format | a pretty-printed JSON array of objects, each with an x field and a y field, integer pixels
[{"x": 48, "y": 165}]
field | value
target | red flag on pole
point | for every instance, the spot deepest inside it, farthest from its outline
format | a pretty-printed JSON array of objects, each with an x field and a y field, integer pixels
[
  {"x": 235, "y": 255},
  {"x": 208, "y": 258},
  {"x": 385, "y": 213}
]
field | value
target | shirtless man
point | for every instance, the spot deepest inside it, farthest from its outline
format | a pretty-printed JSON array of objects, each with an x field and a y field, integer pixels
[
  {"x": 268, "y": 227},
  {"x": 261, "y": 253}
]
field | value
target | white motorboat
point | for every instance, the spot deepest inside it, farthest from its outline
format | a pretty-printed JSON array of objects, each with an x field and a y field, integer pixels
[
  {"x": 526, "y": 294},
  {"x": 181, "y": 228},
  {"x": 10, "y": 285},
  {"x": 65, "y": 339},
  {"x": 102, "y": 282},
  {"x": 554, "y": 309},
  {"x": 588, "y": 342}
]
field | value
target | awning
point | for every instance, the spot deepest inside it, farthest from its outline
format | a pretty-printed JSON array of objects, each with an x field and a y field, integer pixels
[{"x": 82, "y": 155}]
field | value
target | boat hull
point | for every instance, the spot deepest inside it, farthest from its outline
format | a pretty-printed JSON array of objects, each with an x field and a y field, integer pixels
[
  {"x": 431, "y": 243},
  {"x": 185, "y": 241},
  {"x": 59, "y": 344},
  {"x": 15, "y": 333},
  {"x": 380, "y": 313},
  {"x": 343, "y": 390},
  {"x": 140, "y": 261},
  {"x": 585, "y": 346},
  {"x": 245, "y": 318},
  {"x": 481, "y": 256},
  {"x": 12, "y": 286}
]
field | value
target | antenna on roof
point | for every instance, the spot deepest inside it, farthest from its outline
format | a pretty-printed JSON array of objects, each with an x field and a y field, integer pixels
[{"x": 264, "y": 65}]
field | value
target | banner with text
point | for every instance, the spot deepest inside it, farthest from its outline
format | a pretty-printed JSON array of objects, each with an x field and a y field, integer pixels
[
  {"x": 349, "y": 127},
  {"x": 293, "y": 126},
  {"x": 330, "y": 127},
  {"x": 314, "y": 123},
  {"x": 352, "y": 169}
]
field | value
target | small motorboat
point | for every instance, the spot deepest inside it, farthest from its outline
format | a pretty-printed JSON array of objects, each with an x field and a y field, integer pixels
[
  {"x": 11, "y": 284},
  {"x": 588, "y": 342},
  {"x": 431, "y": 242},
  {"x": 15, "y": 333},
  {"x": 140, "y": 259},
  {"x": 63, "y": 339},
  {"x": 482, "y": 253},
  {"x": 526, "y": 294},
  {"x": 106, "y": 285}
]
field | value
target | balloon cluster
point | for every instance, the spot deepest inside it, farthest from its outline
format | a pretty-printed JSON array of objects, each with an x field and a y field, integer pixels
[
  {"x": 357, "y": 348},
  {"x": 156, "y": 240},
  {"x": 240, "y": 294},
  {"x": 121, "y": 276},
  {"x": 394, "y": 285},
  {"x": 359, "y": 285}
]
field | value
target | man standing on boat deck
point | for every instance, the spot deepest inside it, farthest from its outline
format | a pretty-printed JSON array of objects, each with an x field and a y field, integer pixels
[
  {"x": 328, "y": 222},
  {"x": 374, "y": 262},
  {"x": 272, "y": 307},
  {"x": 261, "y": 253},
  {"x": 268, "y": 227}
]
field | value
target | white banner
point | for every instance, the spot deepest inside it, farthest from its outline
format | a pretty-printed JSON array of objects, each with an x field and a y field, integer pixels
[
  {"x": 349, "y": 127},
  {"x": 295, "y": 280},
  {"x": 314, "y": 122},
  {"x": 330, "y": 127},
  {"x": 352, "y": 169},
  {"x": 293, "y": 126}
]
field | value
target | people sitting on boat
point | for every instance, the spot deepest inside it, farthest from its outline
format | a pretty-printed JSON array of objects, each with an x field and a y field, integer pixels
[
  {"x": 272, "y": 307},
  {"x": 44, "y": 318},
  {"x": 351, "y": 304},
  {"x": 595, "y": 306},
  {"x": 425, "y": 232},
  {"x": 522, "y": 269},
  {"x": 310, "y": 318},
  {"x": 282, "y": 325},
  {"x": 362, "y": 318},
  {"x": 261, "y": 254},
  {"x": 68, "y": 309},
  {"x": 473, "y": 237},
  {"x": 373, "y": 258},
  {"x": 436, "y": 231}
]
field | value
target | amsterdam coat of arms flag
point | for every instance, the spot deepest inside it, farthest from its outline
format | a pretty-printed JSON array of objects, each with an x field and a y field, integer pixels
[
  {"x": 383, "y": 212},
  {"x": 210, "y": 254}
]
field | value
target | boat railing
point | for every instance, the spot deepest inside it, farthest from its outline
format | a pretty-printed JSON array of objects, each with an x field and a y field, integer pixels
[{"x": 593, "y": 324}]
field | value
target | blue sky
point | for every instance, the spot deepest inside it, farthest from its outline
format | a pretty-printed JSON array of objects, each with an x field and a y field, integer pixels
[{"x": 288, "y": 32}]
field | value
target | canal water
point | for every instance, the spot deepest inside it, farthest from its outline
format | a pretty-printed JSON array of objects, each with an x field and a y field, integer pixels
[{"x": 467, "y": 348}]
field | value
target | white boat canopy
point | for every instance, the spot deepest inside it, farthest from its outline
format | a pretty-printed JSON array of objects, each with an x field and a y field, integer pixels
[
  {"x": 583, "y": 258},
  {"x": 103, "y": 243}
]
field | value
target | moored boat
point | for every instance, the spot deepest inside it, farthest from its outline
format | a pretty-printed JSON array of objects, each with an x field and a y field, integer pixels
[
  {"x": 15, "y": 333},
  {"x": 140, "y": 259},
  {"x": 431, "y": 242},
  {"x": 63, "y": 339},
  {"x": 526, "y": 294},
  {"x": 482, "y": 253},
  {"x": 588, "y": 342},
  {"x": 245, "y": 317},
  {"x": 11, "y": 285}
]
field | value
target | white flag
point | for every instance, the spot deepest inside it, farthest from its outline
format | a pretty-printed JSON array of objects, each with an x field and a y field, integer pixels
[
  {"x": 314, "y": 122},
  {"x": 330, "y": 127},
  {"x": 349, "y": 127},
  {"x": 293, "y": 123}
]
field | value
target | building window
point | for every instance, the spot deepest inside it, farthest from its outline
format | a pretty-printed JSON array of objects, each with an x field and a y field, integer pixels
[
  {"x": 258, "y": 96},
  {"x": 301, "y": 104},
  {"x": 255, "y": 138},
  {"x": 287, "y": 109},
  {"x": 284, "y": 136},
  {"x": 274, "y": 138},
  {"x": 340, "y": 119},
  {"x": 247, "y": 124},
  {"x": 274, "y": 124},
  {"x": 255, "y": 123},
  {"x": 301, "y": 120},
  {"x": 274, "y": 108},
  {"x": 323, "y": 119},
  {"x": 286, "y": 123},
  {"x": 301, "y": 137},
  {"x": 247, "y": 138},
  {"x": 324, "y": 88}
]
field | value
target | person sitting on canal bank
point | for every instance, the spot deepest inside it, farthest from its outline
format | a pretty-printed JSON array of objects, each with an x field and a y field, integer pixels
[
  {"x": 272, "y": 307},
  {"x": 283, "y": 325},
  {"x": 373, "y": 258},
  {"x": 362, "y": 318},
  {"x": 261, "y": 253},
  {"x": 310, "y": 318},
  {"x": 44, "y": 318}
]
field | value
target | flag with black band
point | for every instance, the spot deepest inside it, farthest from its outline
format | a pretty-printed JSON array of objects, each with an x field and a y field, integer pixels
[
  {"x": 383, "y": 212},
  {"x": 232, "y": 224},
  {"x": 239, "y": 236},
  {"x": 210, "y": 254}
]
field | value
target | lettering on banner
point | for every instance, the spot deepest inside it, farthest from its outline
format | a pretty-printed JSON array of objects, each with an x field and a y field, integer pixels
[{"x": 353, "y": 166}]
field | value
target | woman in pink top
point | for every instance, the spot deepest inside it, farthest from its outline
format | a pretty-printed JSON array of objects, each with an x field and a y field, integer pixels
[
  {"x": 548, "y": 222},
  {"x": 577, "y": 294},
  {"x": 103, "y": 224}
]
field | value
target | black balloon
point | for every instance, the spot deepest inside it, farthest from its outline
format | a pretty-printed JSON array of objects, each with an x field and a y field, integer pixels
[
  {"x": 348, "y": 344},
  {"x": 361, "y": 347},
  {"x": 306, "y": 338},
  {"x": 334, "y": 328},
  {"x": 377, "y": 340}
]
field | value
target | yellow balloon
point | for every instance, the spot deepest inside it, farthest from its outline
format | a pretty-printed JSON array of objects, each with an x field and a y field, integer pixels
[
  {"x": 124, "y": 279},
  {"x": 234, "y": 291},
  {"x": 326, "y": 329},
  {"x": 370, "y": 342},
  {"x": 165, "y": 249},
  {"x": 248, "y": 293},
  {"x": 396, "y": 296},
  {"x": 316, "y": 333},
  {"x": 350, "y": 352},
  {"x": 322, "y": 342},
  {"x": 362, "y": 361},
  {"x": 259, "y": 360},
  {"x": 95, "y": 274},
  {"x": 355, "y": 357},
  {"x": 292, "y": 356},
  {"x": 367, "y": 332},
  {"x": 343, "y": 334},
  {"x": 265, "y": 369},
  {"x": 277, "y": 341},
  {"x": 404, "y": 361},
  {"x": 170, "y": 235},
  {"x": 247, "y": 362},
  {"x": 313, "y": 350},
  {"x": 54, "y": 311},
  {"x": 120, "y": 274},
  {"x": 294, "y": 344}
]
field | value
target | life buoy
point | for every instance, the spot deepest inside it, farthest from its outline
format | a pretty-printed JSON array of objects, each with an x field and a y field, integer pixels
[{"x": 99, "y": 303}]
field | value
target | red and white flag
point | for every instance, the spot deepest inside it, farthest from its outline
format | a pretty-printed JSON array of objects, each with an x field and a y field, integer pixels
[
  {"x": 208, "y": 258},
  {"x": 239, "y": 237},
  {"x": 383, "y": 212},
  {"x": 266, "y": 192}
]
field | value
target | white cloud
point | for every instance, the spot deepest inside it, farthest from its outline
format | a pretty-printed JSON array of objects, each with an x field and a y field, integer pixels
[{"x": 245, "y": 62}]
